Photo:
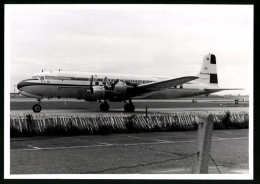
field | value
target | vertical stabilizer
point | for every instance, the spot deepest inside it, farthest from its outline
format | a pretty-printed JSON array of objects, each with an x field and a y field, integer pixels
[{"x": 208, "y": 72}]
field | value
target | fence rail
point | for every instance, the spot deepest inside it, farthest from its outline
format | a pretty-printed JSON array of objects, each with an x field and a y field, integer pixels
[{"x": 66, "y": 124}]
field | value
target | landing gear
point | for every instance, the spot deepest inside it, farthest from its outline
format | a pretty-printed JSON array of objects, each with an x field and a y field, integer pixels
[
  {"x": 129, "y": 107},
  {"x": 104, "y": 106},
  {"x": 37, "y": 107}
]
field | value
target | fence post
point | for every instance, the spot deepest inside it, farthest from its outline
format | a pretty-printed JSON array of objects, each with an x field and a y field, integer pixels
[{"x": 205, "y": 127}]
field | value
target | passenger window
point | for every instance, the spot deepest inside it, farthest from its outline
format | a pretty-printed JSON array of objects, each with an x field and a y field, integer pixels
[
  {"x": 42, "y": 78},
  {"x": 97, "y": 83}
]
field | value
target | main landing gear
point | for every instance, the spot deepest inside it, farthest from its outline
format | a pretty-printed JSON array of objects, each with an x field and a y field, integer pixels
[
  {"x": 104, "y": 106},
  {"x": 129, "y": 107},
  {"x": 37, "y": 107}
]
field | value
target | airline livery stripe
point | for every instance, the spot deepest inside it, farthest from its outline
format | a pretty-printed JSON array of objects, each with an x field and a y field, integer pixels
[{"x": 25, "y": 84}]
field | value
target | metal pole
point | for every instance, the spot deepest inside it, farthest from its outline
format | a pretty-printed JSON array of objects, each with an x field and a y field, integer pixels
[{"x": 205, "y": 127}]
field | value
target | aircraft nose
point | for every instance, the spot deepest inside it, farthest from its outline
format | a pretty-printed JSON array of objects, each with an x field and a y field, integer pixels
[{"x": 21, "y": 84}]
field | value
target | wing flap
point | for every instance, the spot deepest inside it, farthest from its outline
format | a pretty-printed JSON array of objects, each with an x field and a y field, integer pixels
[{"x": 155, "y": 86}]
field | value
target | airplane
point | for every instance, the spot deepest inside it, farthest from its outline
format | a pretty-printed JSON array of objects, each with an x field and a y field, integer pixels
[{"x": 104, "y": 87}]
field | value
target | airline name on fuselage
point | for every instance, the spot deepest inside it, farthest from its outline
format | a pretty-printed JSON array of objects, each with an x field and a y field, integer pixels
[{"x": 97, "y": 80}]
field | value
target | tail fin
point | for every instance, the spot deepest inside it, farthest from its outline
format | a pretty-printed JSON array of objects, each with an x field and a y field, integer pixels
[{"x": 208, "y": 72}]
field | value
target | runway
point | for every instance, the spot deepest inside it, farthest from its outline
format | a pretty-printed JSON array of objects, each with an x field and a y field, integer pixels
[
  {"x": 217, "y": 100},
  {"x": 143, "y": 153}
]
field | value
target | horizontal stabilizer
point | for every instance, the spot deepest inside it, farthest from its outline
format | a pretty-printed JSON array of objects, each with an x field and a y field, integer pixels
[{"x": 155, "y": 86}]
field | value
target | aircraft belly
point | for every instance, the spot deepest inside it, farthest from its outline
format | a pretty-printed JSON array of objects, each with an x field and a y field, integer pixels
[
  {"x": 174, "y": 93},
  {"x": 56, "y": 91}
]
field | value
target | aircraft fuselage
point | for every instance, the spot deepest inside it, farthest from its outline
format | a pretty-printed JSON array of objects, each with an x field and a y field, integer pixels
[{"x": 77, "y": 85}]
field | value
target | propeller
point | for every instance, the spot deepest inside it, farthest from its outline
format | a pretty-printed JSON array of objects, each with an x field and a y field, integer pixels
[
  {"x": 106, "y": 82},
  {"x": 114, "y": 84},
  {"x": 91, "y": 84},
  {"x": 110, "y": 85}
]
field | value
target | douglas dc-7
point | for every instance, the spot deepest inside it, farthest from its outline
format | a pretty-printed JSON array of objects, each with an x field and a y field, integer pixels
[{"x": 118, "y": 88}]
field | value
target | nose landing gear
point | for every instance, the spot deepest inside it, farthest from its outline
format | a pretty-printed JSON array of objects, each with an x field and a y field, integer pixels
[{"x": 37, "y": 107}]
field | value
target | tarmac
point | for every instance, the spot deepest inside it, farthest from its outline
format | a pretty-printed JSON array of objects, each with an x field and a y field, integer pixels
[{"x": 142, "y": 153}]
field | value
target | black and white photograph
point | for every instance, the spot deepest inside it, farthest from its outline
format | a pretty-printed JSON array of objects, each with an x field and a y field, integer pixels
[{"x": 134, "y": 91}]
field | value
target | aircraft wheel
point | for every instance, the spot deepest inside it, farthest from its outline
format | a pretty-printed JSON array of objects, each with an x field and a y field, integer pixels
[
  {"x": 104, "y": 107},
  {"x": 129, "y": 108},
  {"x": 37, "y": 108}
]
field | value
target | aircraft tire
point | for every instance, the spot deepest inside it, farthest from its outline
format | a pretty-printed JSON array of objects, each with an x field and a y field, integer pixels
[
  {"x": 37, "y": 108},
  {"x": 129, "y": 108},
  {"x": 104, "y": 107}
]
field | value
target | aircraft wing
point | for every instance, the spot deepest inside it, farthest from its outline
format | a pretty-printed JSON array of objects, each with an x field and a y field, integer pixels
[
  {"x": 156, "y": 86},
  {"x": 220, "y": 89}
]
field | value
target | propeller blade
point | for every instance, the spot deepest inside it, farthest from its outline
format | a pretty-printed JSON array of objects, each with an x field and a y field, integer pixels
[
  {"x": 113, "y": 84},
  {"x": 116, "y": 81},
  {"x": 91, "y": 84},
  {"x": 107, "y": 81}
]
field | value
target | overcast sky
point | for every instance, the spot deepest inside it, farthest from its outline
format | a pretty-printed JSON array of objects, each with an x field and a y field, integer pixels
[{"x": 159, "y": 40}]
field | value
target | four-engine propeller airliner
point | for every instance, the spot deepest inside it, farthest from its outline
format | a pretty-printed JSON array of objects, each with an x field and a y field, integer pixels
[{"x": 104, "y": 87}]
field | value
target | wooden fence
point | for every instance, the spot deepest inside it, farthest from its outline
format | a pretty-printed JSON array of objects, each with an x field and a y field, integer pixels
[{"x": 65, "y": 124}]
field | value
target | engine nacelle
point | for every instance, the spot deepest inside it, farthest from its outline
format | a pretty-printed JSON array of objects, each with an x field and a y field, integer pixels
[
  {"x": 98, "y": 92},
  {"x": 120, "y": 88}
]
